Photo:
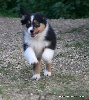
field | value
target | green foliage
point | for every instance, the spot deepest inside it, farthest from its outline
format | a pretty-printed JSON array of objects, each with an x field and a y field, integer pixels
[{"x": 51, "y": 8}]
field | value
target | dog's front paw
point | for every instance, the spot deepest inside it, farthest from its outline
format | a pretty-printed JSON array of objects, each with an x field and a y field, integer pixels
[
  {"x": 46, "y": 73},
  {"x": 36, "y": 77}
]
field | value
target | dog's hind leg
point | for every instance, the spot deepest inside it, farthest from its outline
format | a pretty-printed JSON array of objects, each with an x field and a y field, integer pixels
[
  {"x": 47, "y": 56},
  {"x": 47, "y": 71}
]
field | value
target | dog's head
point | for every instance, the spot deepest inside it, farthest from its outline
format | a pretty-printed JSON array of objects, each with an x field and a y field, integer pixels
[{"x": 35, "y": 23}]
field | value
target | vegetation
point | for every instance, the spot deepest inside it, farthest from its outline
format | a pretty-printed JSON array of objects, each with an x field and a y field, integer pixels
[{"x": 51, "y": 8}]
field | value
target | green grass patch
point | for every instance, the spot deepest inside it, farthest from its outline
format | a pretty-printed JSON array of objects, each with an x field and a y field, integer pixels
[
  {"x": 80, "y": 46},
  {"x": 42, "y": 86},
  {"x": 7, "y": 70},
  {"x": 61, "y": 54},
  {"x": 78, "y": 29},
  {"x": 4, "y": 93},
  {"x": 25, "y": 69},
  {"x": 55, "y": 90},
  {"x": 76, "y": 44},
  {"x": 64, "y": 78},
  {"x": 86, "y": 42}
]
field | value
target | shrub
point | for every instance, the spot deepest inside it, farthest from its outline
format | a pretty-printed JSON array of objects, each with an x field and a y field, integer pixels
[{"x": 51, "y": 8}]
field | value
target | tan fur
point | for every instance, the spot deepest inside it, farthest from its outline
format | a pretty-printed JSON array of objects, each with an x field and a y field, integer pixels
[
  {"x": 35, "y": 21},
  {"x": 39, "y": 29},
  {"x": 37, "y": 68},
  {"x": 29, "y": 22},
  {"x": 48, "y": 67}
]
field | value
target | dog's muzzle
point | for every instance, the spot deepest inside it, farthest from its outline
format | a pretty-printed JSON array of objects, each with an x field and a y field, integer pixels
[{"x": 33, "y": 34}]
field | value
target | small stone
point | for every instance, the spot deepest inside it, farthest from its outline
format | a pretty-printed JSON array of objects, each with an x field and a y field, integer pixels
[{"x": 31, "y": 94}]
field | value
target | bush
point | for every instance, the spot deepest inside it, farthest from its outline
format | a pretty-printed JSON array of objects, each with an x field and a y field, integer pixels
[{"x": 51, "y": 8}]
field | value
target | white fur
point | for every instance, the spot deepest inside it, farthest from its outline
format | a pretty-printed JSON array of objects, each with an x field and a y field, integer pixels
[
  {"x": 37, "y": 42},
  {"x": 47, "y": 55},
  {"x": 36, "y": 76},
  {"x": 29, "y": 29},
  {"x": 32, "y": 17},
  {"x": 46, "y": 73},
  {"x": 24, "y": 32},
  {"x": 30, "y": 56}
]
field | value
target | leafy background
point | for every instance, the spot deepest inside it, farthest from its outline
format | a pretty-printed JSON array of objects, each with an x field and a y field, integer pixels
[{"x": 51, "y": 8}]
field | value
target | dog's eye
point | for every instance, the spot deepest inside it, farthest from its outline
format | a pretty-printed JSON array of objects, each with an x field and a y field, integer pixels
[
  {"x": 37, "y": 24},
  {"x": 28, "y": 25}
]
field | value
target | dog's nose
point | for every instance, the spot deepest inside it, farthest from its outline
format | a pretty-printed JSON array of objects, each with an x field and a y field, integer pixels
[{"x": 31, "y": 31}]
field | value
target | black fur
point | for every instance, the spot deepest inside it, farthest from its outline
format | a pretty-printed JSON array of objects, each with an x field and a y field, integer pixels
[
  {"x": 23, "y": 11},
  {"x": 25, "y": 20},
  {"x": 51, "y": 37},
  {"x": 40, "y": 18},
  {"x": 25, "y": 46}
]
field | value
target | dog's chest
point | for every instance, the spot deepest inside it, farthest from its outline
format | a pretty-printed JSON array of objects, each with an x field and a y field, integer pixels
[{"x": 38, "y": 45}]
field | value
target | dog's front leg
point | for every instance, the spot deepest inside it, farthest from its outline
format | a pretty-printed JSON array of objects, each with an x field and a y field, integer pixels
[
  {"x": 36, "y": 69},
  {"x": 31, "y": 58}
]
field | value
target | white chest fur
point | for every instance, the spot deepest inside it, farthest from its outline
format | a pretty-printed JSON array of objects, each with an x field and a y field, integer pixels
[
  {"x": 38, "y": 43},
  {"x": 38, "y": 46}
]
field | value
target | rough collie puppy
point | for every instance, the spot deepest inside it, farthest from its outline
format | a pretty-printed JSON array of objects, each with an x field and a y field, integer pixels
[{"x": 39, "y": 42}]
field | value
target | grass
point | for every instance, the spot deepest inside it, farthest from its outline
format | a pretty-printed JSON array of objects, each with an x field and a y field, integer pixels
[
  {"x": 86, "y": 42},
  {"x": 4, "y": 93},
  {"x": 64, "y": 78},
  {"x": 81, "y": 47},
  {"x": 70, "y": 75},
  {"x": 7, "y": 68},
  {"x": 42, "y": 86},
  {"x": 61, "y": 54},
  {"x": 78, "y": 29},
  {"x": 55, "y": 91},
  {"x": 76, "y": 44}
]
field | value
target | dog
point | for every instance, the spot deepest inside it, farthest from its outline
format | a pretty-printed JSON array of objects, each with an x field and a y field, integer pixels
[{"x": 39, "y": 42}]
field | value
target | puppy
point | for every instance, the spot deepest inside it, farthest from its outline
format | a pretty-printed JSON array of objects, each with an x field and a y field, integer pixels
[{"x": 39, "y": 42}]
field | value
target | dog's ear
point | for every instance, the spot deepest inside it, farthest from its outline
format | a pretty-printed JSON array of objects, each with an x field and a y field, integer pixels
[
  {"x": 23, "y": 12},
  {"x": 24, "y": 15}
]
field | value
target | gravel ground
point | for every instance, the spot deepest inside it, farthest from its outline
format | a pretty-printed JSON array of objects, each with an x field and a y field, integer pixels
[{"x": 70, "y": 70}]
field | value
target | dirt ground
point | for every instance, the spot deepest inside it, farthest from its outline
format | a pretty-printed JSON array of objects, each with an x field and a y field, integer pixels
[{"x": 70, "y": 70}]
